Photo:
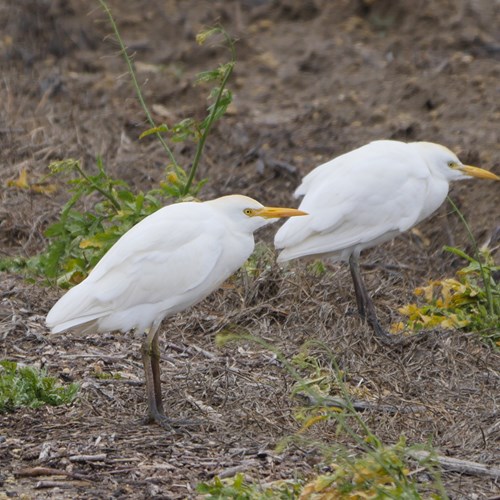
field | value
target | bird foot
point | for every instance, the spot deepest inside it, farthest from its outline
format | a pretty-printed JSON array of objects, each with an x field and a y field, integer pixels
[
  {"x": 173, "y": 425},
  {"x": 385, "y": 338},
  {"x": 380, "y": 334}
]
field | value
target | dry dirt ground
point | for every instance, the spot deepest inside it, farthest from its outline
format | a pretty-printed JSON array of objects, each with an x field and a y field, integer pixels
[{"x": 314, "y": 79}]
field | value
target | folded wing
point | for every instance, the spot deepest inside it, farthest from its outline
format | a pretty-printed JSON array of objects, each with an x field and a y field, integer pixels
[
  {"x": 354, "y": 204},
  {"x": 160, "y": 266}
]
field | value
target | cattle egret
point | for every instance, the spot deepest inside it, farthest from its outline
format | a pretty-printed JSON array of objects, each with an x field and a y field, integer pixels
[
  {"x": 168, "y": 262},
  {"x": 366, "y": 197}
]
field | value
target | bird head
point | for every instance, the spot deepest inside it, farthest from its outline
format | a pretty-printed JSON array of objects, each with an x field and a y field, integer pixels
[
  {"x": 444, "y": 162},
  {"x": 249, "y": 214}
]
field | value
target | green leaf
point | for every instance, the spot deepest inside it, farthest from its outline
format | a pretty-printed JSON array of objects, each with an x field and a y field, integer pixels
[
  {"x": 155, "y": 130},
  {"x": 458, "y": 252},
  {"x": 55, "y": 229}
]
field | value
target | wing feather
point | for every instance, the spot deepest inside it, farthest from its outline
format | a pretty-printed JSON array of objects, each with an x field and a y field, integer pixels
[
  {"x": 156, "y": 265},
  {"x": 353, "y": 203}
]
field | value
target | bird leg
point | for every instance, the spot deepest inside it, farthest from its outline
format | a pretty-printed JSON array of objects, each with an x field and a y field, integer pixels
[
  {"x": 151, "y": 361},
  {"x": 155, "y": 366},
  {"x": 366, "y": 308}
]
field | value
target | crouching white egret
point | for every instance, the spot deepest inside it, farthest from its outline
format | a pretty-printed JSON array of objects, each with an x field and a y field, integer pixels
[
  {"x": 168, "y": 262},
  {"x": 366, "y": 197}
]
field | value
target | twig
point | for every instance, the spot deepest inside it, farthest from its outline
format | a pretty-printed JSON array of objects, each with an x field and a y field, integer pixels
[
  {"x": 105, "y": 357},
  {"x": 47, "y": 471},
  {"x": 232, "y": 471},
  {"x": 360, "y": 405},
  {"x": 58, "y": 484},
  {"x": 204, "y": 352},
  {"x": 459, "y": 465},
  {"x": 110, "y": 381},
  {"x": 88, "y": 458},
  {"x": 194, "y": 349}
]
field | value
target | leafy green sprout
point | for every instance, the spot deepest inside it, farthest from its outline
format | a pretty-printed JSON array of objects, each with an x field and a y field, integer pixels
[
  {"x": 493, "y": 305},
  {"x": 27, "y": 386},
  {"x": 470, "y": 301},
  {"x": 238, "y": 488}
]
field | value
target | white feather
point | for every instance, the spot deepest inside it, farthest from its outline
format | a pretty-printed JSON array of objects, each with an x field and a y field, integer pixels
[
  {"x": 364, "y": 198},
  {"x": 168, "y": 262}
]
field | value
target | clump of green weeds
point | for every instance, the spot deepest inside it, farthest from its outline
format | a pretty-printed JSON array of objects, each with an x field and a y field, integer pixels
[
  {"x": 469, "y": 301},
  {"x": 260, "y": 261},
  {"x": 367, "y": 469},
  {"x": 79, "y": 239},
  {"x": 381, "y": 472},
  {"x": 239, "y": 488},
  {"x": 28, "y": 386}
]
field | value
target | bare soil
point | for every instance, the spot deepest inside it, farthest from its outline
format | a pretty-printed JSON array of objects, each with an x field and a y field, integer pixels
[{"x": 314, "y": 79}]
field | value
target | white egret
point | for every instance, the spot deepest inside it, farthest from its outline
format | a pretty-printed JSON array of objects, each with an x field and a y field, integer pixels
[
  {"x": 168, "y": 262},
  {"x": 366, "y": 197}
]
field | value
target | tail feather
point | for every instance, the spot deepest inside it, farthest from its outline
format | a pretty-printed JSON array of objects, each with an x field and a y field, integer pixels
[
  {"x": 81, "y": 325},
  {"x": 75, "y": 310}
]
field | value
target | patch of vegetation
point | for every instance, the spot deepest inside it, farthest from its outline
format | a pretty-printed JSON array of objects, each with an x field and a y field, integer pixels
[
  {"x": 188, "y": 128},
  {"x": 101, "y": 375},
  {"x": 30, "y": 387},
  {"x": 321, "y": 379},
  {"x": 78, "y": 240},
  {"x": 382, "y": 472},
  {"x": 470, "y": 301},
  {"x": 368, "y": 468},
  {"x": 317, "y": 268},
  {"x": 261, "y": 260},
  {"x": 240, "y": 489}
]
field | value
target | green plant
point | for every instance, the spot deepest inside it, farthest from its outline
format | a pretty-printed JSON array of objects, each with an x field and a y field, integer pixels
[
  {"x": 321, "y": 382},
  {"x": 317, "y": 268},
  {"x": 79, "y": 239},
  {"x": 477, "y": 255},
  {"x": 188, "y": 128},
  {"x": 260, "y": 261},
  {"x": 368, "y": 468},
  {"x": 470, "y": 301},
  {"x": 28, "y": 386},
  {"x": 379, "y": 473},
  {"x": 238, "y": 488}
]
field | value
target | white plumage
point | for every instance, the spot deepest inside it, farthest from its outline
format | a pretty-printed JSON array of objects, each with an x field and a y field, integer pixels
[
  {"x": 366, "y": 197},
  {"x": 168, "y": 262}
]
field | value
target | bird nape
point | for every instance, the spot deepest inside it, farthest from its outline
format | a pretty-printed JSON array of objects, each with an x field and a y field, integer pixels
[
  {"x": 168, "y": 262},
  {"x": 366, "y": 197}
]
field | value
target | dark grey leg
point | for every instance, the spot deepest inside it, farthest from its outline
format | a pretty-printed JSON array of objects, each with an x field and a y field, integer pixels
[
  {"x": 155, "y": 366},
  {"x": 151, "y": 362},
  {"x": 365, "y": 304}
]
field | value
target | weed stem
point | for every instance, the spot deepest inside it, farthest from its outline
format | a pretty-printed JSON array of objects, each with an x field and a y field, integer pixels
[{"x": 135, "y": 83}]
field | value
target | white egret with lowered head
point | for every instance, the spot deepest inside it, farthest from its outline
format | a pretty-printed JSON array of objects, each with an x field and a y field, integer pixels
[
  {"x": 366, "y": 197},
  {"x": 168, "y": 262}
]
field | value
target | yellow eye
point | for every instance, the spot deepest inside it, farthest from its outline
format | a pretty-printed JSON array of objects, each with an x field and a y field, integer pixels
[
  {"x": 452, "y": 164},
  {"x": 249, "y": 212}
]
